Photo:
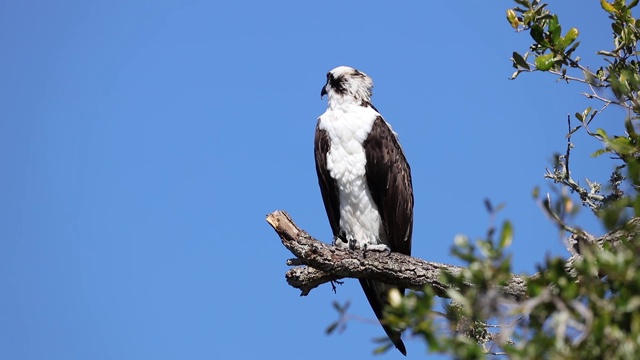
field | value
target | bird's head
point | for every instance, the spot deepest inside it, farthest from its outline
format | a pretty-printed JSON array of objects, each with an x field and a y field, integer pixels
[{"x": 347, "y": 82}]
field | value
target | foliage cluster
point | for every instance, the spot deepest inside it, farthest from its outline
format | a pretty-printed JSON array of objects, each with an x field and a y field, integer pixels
[{"x": 584, "y": 307}]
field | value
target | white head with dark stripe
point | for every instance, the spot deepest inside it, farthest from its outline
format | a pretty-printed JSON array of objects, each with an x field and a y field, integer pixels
[{"x": 347, "y": 83}]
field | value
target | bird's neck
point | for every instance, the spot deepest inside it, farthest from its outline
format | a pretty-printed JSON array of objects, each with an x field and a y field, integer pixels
[{"x": 345, "y": 102}]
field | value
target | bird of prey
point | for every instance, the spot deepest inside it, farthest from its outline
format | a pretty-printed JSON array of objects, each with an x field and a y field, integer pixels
[{"x": 364, "y": 178}]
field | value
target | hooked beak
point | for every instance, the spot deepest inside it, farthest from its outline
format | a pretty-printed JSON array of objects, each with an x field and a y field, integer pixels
[{"x": 323, "y": 92}]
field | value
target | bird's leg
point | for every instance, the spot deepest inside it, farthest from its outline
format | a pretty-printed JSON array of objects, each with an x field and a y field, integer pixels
[
  {"x": 353, "y": 244},
  {"x": 341, "y": 239}
]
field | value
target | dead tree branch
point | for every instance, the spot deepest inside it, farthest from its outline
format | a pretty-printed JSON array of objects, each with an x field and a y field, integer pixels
[{"x": 327, "y": 263}]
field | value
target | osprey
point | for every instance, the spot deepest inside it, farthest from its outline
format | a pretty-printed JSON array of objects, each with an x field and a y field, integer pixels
[{"x": 364, "y": 178}]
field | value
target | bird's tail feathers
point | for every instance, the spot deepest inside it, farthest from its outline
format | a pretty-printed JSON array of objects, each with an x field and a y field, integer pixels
[{"x": 378, "y": 295}]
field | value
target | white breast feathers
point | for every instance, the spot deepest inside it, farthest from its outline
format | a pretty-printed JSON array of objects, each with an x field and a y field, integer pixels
[{"x": 346, "y": 160}]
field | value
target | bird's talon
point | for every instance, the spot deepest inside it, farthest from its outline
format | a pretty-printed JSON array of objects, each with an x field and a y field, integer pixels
[{"x": 341, "y": 237}]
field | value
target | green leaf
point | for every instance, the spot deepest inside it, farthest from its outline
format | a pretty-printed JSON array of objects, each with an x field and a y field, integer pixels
[
  {"x": 579, "y": 116},
  {"x": 607, "y": 7},
  {"x": 617, "y": 28},
  {"x": 382, "y": 349},
  {"x": 520, "y": 61},
  {"x": 586, "y": 112},
  {"x": 535, "y": 192},
  {"x": 555, "y": 29},
  {"x": 512, "y": 18},
  {"x": 599, "y": 152},
  {"x": 628, "y": 125},
  {"x": 602, "y": 133},
  {"x": 621, "y": 145},
  {"x": 570, "y": 37},
  {"x": 632, "y": 4},
  {"x": 537, "y": 33},
  {"x": 544, "y": 62},
  {"x": 506, "y": 235}
]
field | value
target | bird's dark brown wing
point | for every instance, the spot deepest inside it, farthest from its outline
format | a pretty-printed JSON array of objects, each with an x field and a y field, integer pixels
[
  {"x": 389, "y": 181},
  {"x": 328, "y": 186}
]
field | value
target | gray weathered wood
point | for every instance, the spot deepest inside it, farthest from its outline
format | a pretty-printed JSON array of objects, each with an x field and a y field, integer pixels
[{"x": 327, "y": 263}]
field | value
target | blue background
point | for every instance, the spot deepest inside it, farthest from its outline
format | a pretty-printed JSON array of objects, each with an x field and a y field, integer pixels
[{"x": 142, "y": 143}]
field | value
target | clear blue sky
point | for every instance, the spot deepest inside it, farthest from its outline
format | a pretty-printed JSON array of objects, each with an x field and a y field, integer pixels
[{"x": 142, "y": 143}]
